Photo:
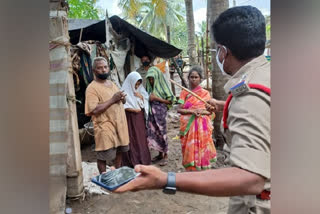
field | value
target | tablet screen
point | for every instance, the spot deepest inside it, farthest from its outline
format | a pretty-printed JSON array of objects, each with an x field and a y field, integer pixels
[{"x": 117, "y": 177}]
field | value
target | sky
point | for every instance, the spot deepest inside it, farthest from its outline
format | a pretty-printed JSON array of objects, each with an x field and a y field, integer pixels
[{"x": 199, "y": 8}]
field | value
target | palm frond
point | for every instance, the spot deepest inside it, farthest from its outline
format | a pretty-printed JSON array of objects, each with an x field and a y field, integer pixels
[{"x": 130, "y": 8}]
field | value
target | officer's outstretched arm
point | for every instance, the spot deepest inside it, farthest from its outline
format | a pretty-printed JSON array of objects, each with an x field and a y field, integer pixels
[{"x": 220, "y": 182}]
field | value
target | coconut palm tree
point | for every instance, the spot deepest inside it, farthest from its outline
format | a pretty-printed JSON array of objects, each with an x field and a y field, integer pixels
[
  {"x": 214, "y": 8},
  {"x": 154, "y": 16},
  {"x": 179, "y": 38},
  {"x": 191, "y": 33},
  {"x": 130, "y": 8},
  {"x": 157, "y": 16}
]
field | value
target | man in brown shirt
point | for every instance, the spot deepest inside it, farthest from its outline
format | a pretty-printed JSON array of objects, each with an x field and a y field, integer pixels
[
  {"x": 239, "y": 33},
  {"x": 104, "y": 103}
]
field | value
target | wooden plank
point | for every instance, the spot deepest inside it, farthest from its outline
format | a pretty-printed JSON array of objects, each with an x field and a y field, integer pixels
[{"x": 74, "y": 167}]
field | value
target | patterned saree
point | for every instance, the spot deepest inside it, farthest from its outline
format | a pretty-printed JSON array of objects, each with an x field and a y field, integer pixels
[{"x": 198, "y": 149}]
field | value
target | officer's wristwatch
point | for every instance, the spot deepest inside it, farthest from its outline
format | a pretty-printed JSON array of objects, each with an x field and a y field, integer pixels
[{"x": 170, "y": 188}]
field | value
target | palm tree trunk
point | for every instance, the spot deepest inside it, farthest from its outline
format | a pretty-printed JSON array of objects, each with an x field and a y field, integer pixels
[
  {"x": 191, "y": 32},
  {"x": 214, "y": 8}
]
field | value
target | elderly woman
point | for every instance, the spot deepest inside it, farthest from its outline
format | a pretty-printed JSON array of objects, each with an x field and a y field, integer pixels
[{"x": 196, "y": 127}]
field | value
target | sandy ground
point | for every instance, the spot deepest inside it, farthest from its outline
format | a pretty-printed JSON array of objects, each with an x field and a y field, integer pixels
[{"x": 152, "y": 201}]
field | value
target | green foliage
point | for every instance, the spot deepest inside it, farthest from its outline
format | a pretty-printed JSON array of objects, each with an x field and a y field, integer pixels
[
  {"x": 268, "y": 27},
  {"x": 130, "y": 8},
  {"x": 153, "y": 16},
  {"x": 203, "y": 28},
  {"x": 84, "y": 9},
  {"x": 179, "y": 37},
  {"x": 202, "y": 34},
  {"x": 268, "y": 31}
]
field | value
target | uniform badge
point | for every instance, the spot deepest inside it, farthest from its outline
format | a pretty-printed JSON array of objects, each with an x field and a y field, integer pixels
[{"x": 239, "y": 89}]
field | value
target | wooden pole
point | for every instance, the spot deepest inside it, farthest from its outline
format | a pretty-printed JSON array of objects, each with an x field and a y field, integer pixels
[
  {"x": 172, "y": 85},
  {"x": 202, "y": 54},
  {"x": 180, "y": 72},
  {"x": 207, "y": 51},
  {"x": 198, "y": 49},
  {"x": 171, "y": 73}
]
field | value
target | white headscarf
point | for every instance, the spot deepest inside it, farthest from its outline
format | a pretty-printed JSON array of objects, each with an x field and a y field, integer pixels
[{"x": 129, "y": 88}]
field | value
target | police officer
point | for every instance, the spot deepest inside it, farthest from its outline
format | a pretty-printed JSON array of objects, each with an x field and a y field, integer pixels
[{"x": 240, "y": 36}]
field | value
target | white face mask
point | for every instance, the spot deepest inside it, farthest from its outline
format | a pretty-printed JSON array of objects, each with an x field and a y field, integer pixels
[{"x": 219, "y": 63}]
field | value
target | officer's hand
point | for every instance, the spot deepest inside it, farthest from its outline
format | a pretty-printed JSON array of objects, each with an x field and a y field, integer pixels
[
  {"x": 215, "y": 105},
  {"x": 210, "y": 108},
  {"x": 151, "y": 177}
]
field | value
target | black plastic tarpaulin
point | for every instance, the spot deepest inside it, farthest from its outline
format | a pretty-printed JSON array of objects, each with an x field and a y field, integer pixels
[{"x": 144, "y": 44}]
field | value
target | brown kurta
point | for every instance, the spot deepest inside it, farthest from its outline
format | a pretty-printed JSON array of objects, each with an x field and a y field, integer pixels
[
  {"x": 110, "y": 127},
  {"x": 248, "y": 135}
]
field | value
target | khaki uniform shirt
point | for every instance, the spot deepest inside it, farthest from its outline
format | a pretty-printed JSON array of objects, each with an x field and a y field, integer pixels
[
  {"x": 248, "y": 133},
  {"x": 110, "y": 127}
]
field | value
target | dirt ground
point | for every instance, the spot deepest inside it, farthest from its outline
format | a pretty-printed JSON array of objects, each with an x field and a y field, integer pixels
[{"x": 153, "y": 201}]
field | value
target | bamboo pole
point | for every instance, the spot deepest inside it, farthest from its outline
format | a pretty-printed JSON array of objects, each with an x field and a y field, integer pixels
[
  {"x": 192, "y": 93},
  {"x": 171, "y": 73},
  {"x": 202, "y": 54},
  {"x": 180, "y": 72},
  {"x": 207, "y": 51}
]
